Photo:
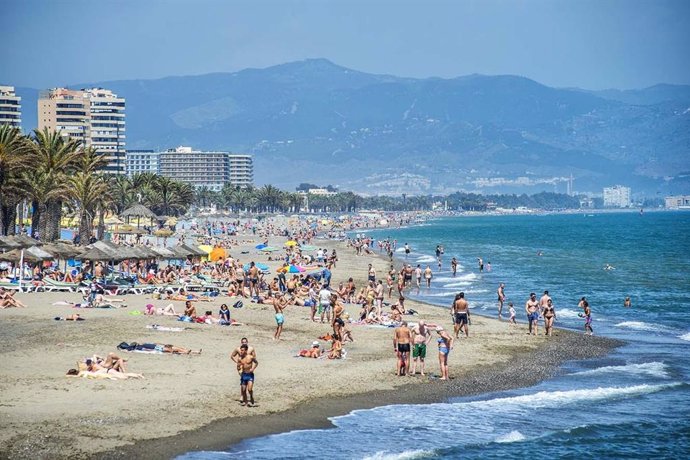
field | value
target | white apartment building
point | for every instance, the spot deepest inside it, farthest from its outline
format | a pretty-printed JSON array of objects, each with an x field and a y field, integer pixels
[
  {"x": 142, "y": 161},
  {"x": 10, "y": 107},
  {"x": 95, "y": 116},
  {"x": 199, "y": 168},
  {"x": 617, "y": 197},
  {"x": 678, "y": 202}
]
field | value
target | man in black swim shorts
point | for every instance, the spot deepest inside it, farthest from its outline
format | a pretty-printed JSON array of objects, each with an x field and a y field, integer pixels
[{"x": 401, "y": 344}]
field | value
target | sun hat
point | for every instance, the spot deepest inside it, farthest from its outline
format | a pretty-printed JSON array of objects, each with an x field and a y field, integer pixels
[{"x": 315, "y": 343}]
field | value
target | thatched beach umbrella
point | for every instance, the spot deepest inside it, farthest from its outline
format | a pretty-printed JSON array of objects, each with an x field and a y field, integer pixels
[
  {"x": 138, "y": 211},
  {"x": 94, "y": 254},
  {"x": 61, "y": 250},
  {"x": 20, "y": 242},
  {"x": 163, "y": 252}
]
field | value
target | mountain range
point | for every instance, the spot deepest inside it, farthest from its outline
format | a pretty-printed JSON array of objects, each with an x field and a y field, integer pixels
[{"x": 314, "y": 121}]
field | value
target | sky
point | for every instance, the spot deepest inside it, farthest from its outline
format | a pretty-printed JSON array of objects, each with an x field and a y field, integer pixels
[{"x": 591, "y": 44}]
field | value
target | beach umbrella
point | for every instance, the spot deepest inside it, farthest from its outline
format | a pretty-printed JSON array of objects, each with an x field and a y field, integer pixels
[
  {"x": 163, "y": 252},
  {"x": 93, "y": 254},
  {"x": 295, "y": 269},
  {"x": 217, "y": 253},
  {"x": 61, "y": 250},
  {"x": 262, "y": 267},
  {"x": 260, "y": 246},
  {"x": 138, "y": 211},
  {"x": 163, "y": 232},
  {"x": 291, "y": 243},
  {"x": 113, "y": 220},
  {"x": 308, "y": 247},
  {"x": 207, "y": 248},
  {"x": 269, "y": 249}
]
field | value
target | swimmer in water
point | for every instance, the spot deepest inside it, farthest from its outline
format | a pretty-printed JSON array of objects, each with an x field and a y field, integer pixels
[
  {"x": 627, "y": 303},
  {"x": 609, "y": 267}
]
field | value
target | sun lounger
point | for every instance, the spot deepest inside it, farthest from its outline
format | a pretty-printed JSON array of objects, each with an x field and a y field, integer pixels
[{"x": 53, "y": 286}]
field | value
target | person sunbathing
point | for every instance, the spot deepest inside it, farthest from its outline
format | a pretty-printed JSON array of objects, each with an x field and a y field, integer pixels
[
  {"x": 336, "y": 351},
  {"x": 112, "y": 361},
  {"x": 167, "y": 348},
  {"x": 168, "y": 310},
  {"x": 7, "y": 300},
  {"x": 189, "y": 310},
  {"x": 313, "y": 352},
  {"x": 104, "y": 374},
  {"x": 74, "y": 317}
]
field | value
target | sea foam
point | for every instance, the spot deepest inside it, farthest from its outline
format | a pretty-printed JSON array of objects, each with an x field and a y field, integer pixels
[
  {"x": 655, "y": 369},
  {"x": 406, "y": 455},
  {"x": 513, "y": 436},
  {"x": 685, "y": 337}
]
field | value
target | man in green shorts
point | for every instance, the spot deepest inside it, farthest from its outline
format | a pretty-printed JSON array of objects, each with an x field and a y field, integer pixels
[{"x": 421, "y": 337}]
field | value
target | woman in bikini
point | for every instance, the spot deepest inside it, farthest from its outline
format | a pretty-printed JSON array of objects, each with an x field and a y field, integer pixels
[
  {"x": 549, "y": 317},
  {"x": 445, "y": 344}
]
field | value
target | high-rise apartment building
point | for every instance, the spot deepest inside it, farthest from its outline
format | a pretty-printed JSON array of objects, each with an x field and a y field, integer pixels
[
  {"x": 201, "y": 169},
  {"x": 617, "y": 197},
  {"x": 95, "y": 116},
  {"x": 10, "y": 107},
  {"x": 142, "y": 161}
]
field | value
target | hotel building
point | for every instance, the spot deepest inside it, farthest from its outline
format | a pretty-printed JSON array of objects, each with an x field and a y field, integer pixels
[
  {"x": 10, "y": 107},
  {"x": 617, "y": 197},
  {"x": 95, "y": 116},
  {"x": 678, "y": 202},
  {"x": 198, "y": 168}
]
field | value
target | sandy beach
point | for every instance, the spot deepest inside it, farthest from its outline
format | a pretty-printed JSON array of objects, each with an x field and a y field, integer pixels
[{"x": 192, "y": 402}]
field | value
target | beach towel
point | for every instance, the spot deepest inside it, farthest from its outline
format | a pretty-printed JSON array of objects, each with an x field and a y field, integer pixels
[{"x": 158, "y": 327}]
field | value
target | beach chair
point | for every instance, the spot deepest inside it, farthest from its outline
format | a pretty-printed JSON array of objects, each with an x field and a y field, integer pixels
[
  {"x": 60, "y": 286},
  {"x": 26, "y": 286}
]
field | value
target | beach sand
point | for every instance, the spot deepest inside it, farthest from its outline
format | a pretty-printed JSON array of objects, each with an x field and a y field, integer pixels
[{"x": 192, "y": 402}]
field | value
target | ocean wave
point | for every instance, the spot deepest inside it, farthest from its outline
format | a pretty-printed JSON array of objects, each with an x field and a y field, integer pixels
[
  {"x": 685, "y": 337},
  {"x": 513, "y": 436},
  {"x": 406, "y": 455},
  {"x": 655, "y": 369},
  {"x": 425, "y": 259},
  {"x": 640, "y": 326},
  {"x": 567, "y": 313},
  {"x": 457, "y": 285},
  {"x": 561, "y": 398}
]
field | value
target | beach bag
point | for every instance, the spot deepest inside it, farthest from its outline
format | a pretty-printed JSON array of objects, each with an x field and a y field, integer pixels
[{"x": 238, "y": 304}]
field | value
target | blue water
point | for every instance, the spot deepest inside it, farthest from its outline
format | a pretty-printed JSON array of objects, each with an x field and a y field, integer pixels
[{"x": 634, "y": 403}]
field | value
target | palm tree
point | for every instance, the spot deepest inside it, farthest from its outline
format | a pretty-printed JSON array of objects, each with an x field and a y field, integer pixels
[
  {"x": 269, "y": 197},
  {"x": 14, "y": 157},
  {"x": 87, "y": 187},
  {"x": 54, "y": 156}
]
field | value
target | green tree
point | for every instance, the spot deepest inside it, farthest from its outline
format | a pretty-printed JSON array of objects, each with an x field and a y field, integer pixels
[{"x": 14, "y": 159}]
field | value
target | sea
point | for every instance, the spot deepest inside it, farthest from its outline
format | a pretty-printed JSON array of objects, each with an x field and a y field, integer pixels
[{"x": 633, "y": 403}]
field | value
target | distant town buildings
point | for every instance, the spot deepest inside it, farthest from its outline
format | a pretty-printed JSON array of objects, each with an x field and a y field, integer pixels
[
  {"x": 678, "y": 202},
  {"x": 95, "y": 116},
  {"x": 198, "y": 168},
  {"x": 617, "y": 197},
  {"x": 10, "y": 107},
  {"x": 319, "y": 191}
]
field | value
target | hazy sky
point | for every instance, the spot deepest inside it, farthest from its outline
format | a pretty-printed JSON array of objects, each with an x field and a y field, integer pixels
[{"x": 592, "y": 44}]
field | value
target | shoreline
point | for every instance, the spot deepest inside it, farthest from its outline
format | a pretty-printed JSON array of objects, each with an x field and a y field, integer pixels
[{"x": 523, "y": 371}]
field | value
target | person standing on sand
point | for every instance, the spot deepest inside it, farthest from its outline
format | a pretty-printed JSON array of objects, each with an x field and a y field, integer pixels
[
  {"x": 371, "y": 274},
  {"x": 253, "y": 274},
  {"x": 454, "y": 265},
  {"x": 279, "y": 305},
  {"x": 532, "y": 310},
  {"x": 235, "y": 355},
  {"x": 428, "y": 275},
  {"x": 588, "y": 318},
  {"x": 461, "y": 315},
  {"x": 543, "y": 302},
  {"x": 512, "y": 321},
  {"x": 421, "y": 337},
  {"x": 501, "y": 298},
  {"x": 324, "y": 303},
  {"x": 401, "y": 343},
  {"x": 445, "y": 344},
  {"x": 549, "y": 317},
  {"x": 246, "y": 365}
]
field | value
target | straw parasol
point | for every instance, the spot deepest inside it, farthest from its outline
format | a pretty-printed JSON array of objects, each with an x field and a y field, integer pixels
[
  {"x": 163, "y": 252},
  {"x": 61, "y": 250},
  {"x": 93, "y": 254},
  {"x": 138, "y": 211}
]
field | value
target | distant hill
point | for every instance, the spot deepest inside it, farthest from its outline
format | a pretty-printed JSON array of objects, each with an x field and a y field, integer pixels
[{"x": 314, "y": 121}]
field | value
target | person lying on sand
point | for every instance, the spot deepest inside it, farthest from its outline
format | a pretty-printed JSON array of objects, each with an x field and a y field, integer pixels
[
  {"x": 313, "y": 352},
  {"x": 168, "y": 310},
  {"x": 158, "y": 347},
  {"x": 74, "y": 317},
  {"x": 104, "y": 374}
]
